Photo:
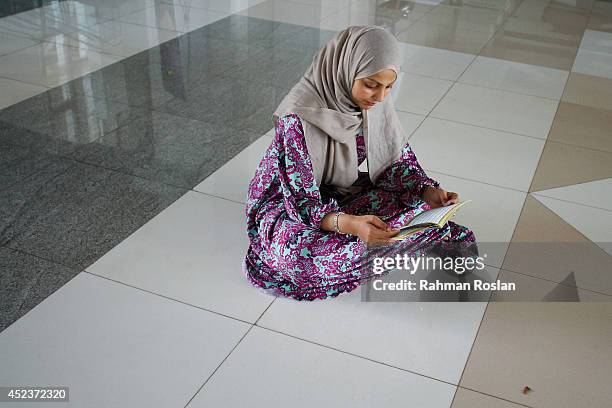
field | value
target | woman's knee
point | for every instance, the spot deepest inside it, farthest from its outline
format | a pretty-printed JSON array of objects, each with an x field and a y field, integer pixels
[{"x": 459, "y": 233}]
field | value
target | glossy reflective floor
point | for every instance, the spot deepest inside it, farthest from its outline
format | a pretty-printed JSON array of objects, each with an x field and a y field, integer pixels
[{"x": 129, "y": 130}]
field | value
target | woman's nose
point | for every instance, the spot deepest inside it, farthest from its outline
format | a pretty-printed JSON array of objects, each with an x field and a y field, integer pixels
[{"x": 380, "y": 95}]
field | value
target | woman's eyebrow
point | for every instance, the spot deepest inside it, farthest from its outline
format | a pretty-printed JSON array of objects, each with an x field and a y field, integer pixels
[{"x": 373, "y": 80}]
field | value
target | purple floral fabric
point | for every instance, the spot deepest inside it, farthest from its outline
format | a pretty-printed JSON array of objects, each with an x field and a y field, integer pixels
[
  {"x": 361, "y": 147},
  {"x": 290, "y": 255}
]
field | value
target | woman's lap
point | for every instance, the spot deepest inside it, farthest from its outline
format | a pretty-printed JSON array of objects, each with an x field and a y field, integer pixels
[{"x": 307, "y": 263}]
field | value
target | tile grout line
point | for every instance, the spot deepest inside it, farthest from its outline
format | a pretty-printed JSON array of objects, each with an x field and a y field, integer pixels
[
  {"x": 477, "y": 181},
  {"x": 42, "y": 258},
  {"x": 514, "y": 92},
  {"x": 538, "y": 193},
  {"x": 515, "y": 133},
  {"x": 26, "y": 83},
  {"x": 150, "y": 292},
  {"x": 416, "y": 21},
  {"x": 485, "y": 86},
  {"x": 356, "y": 355},
  {"x": 479, "y": 126},
  {"x": 219, "y": 366},
  {"x": 439, "y": 100}
]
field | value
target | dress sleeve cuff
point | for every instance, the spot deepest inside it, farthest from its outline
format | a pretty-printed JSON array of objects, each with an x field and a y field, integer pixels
[
  {"x": 319, "y": 213},
  {"x": 424, "y": 183}
]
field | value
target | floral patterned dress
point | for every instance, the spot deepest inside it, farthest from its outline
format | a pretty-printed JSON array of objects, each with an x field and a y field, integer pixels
[{"x": 290, "y": 255}]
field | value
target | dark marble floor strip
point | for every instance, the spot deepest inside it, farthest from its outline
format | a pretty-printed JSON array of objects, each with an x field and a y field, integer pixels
[
  {"x": 87, "y": 163},
  {"x": 25, "y": 281}
]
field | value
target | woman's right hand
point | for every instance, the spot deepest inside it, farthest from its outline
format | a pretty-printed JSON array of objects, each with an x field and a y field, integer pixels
[{"x": 370, "y": 229}]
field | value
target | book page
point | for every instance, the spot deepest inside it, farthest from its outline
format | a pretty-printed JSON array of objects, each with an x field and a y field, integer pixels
[{"x": 435, "y": 215}]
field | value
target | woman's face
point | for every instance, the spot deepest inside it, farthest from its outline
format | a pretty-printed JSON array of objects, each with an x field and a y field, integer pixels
[{"x": 370, "y": 90}]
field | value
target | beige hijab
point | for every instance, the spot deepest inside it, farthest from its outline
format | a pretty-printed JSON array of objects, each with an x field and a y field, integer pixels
[{"x": 322, "y": 100}]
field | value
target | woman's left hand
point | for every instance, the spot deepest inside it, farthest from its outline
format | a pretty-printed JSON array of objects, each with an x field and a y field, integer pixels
[{"x": 437, "y": 197}]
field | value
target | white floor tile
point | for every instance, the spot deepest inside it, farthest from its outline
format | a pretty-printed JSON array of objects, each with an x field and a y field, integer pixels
[
  {"x": 594, "y": 56},
  {"x": 596, "y": 193},
  {"x": 410, "y": 121},
  {"x": 419, "y": 94},
  {"x": 516, "y": 77},
  {"x": 293, "y": 13},
  {"x": 593, "y": 223},
  {"x": 174, "y": 17},
  {"x": 223, "y": 6},
  {"x": 116, "y": 346},
  {"x": 346, "y": 17},
  {"x": 430, "y": 338},
  {"x": 597, "y": 41},
  {"x": 50, "y": 64},
  {"x": 303, "y": 374},
  {"x": 9, "y": 43},
  {"x": 121, "y": 7},
  {"x": 492, "y": 214},
  {"x": 117, "y": 38},
  {"x": 501, "y": 110},
  {"x": 593, "y": 63},
  {"x": 336, "y": 4},
  {"x": 475, "y": 153},
  {"x": 471, "y": 16},
  {"x": 193, "y": 252},
  {"x": 232, "y": 180},
  {"x": 434, "y": 62},
  {"x": 12, "y": 91}
]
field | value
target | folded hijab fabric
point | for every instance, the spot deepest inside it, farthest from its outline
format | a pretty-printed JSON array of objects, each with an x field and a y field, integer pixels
[{"x": 330, "y": 120}]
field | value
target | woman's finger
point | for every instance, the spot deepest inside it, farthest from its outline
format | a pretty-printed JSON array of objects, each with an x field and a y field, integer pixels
[
  {"x": 443, "y": 196},
  {"x": 379, "y": 234},
  {"x": 453, "y": 197},
  {"x": 377, "y": 222},
  {"x": 386, "y": 234}
]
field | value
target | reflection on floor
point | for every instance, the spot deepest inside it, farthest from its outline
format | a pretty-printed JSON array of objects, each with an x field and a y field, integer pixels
[{"x": 129, "y": 130}]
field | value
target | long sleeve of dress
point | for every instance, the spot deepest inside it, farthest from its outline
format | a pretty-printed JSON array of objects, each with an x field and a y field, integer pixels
[
  {"x": 302, "y": 197},
  {"x": 405, "y": 174}
]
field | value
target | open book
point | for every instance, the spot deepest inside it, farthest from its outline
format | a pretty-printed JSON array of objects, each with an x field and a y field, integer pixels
[{"x": 434, "y": 218}]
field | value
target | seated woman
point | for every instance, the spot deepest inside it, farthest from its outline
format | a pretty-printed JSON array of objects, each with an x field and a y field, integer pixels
[{"x": 312, "y": 216}]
